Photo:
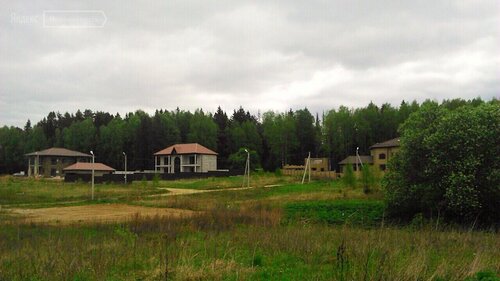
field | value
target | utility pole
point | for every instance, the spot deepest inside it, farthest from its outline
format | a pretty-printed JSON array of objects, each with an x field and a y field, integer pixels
[
  {"x": 307, "y": 168},
  {"x": 93, "y": 161},
  {"x": 125, "y": 154}
]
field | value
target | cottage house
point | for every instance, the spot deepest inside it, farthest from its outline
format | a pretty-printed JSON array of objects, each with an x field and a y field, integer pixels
[
  {"x": 380, "y": 153},
  {"x": 86, "y": 169},
  {"x": 188, "y": 157},
  {"x": 51, "y": 162},
  {"x": 383, "y": 151}
]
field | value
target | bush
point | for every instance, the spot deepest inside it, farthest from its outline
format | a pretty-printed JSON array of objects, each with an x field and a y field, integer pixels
[
  {"x": 447, "y": 165},
  {"x": 367, "y": 178},
  {"x": 349, "y": 178}
]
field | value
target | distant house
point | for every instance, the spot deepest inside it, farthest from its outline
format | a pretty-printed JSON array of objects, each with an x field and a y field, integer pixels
[
  {"x": 317, "y": 164},
  {"x": 187, "y": 157},
  {"x": 380, "y": 153},
  {"x": 355, "y": 162},
  {"x": 383, "y": 151},
  {"x": 84, "y": 168},
  {"x": 51, "y": 162}
]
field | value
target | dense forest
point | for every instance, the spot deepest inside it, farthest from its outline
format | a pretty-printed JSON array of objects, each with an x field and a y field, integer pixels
[{"x": 275, "y": 138}]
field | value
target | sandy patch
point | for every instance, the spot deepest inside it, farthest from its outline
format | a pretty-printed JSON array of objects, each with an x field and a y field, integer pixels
[{"x": 95, "y": 213}]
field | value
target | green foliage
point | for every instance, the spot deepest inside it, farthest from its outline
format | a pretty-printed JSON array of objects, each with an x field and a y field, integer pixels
[
  {"x": 365, "y": 213},
  {"x": 348, "y": 177},
  {"x": 368, "y": 180},
  {"x": 203, "y": 130},
  {"x": 448, "y": 164},
  {"x": 238, "y": 160},
  {"x": 156, "y": 180},
  {"x": 486, "y": 275}
]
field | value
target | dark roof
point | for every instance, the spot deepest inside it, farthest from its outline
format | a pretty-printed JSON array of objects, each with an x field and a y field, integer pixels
[
  {"x": 57, "y": 151},
  {"x": 389, "y": 143},
  {"x": 352, "y": 160},
  {"x": 186, "y": 148},
  {"x": 81, "y": 166}
]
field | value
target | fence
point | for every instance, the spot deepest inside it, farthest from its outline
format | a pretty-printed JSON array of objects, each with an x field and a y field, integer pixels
[
  {"x": 314, "y": 174},
  {"x": 120, "y": 178}
]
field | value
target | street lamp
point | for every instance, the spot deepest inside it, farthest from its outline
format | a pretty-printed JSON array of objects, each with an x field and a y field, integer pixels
[
  {"x": 93, "y": 161},
  {"x": 125, "y": 154},
  {"x": 357, "y": 157},
  {"x": 247, "y": 169}
]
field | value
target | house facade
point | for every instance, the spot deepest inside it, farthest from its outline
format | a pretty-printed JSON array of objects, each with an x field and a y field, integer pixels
[
  {"x": 383, "y": 151},
  {"x": 355, "y": 162},
  {"x": 380, "y": 153},
  {"x": 185, "y": 158},
  {"x": 51, "y": 162}
]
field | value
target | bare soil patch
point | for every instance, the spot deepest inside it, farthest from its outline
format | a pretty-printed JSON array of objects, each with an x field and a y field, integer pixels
[{"x": 95, "y": 213}]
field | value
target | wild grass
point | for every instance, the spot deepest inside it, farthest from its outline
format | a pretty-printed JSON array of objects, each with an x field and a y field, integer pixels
[
  {"x": 276, "y": 196},
  {"x": 287, "y": 232},
  {"x": 31, "y": 192},
  {"x": 242, "y": 244},
  {"x": 259, "y": 179}
]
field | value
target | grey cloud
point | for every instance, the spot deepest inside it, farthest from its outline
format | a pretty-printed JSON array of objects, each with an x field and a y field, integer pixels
[{"x": 262, "y": 55}]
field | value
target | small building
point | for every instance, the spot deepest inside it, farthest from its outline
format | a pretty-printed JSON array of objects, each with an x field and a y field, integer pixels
[
  {"x": 187, "y": 157},
  {"x": 84, "y": 168},
  {"x": 319, "y": 164},
  {"x": 380, "y": 153},
  {"x": 355, "y": 162},
  {"x": 51, "y": 162},
  {"x": 383, "y": 151}
]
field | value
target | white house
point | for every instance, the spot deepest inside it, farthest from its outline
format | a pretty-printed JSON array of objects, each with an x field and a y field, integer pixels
[{"x": 187, "y": 157}]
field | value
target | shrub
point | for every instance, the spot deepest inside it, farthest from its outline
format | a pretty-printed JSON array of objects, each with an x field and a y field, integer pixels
[
  {"x": 349, "y": 178},
  {"x": 448, "y": 164}
]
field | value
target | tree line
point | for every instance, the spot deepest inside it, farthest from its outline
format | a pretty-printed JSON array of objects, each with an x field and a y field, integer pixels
[{"x": 274, "y": 138}]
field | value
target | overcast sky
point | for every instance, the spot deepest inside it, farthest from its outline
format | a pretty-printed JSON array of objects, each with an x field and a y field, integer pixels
[{"x": 119, "y": 56}]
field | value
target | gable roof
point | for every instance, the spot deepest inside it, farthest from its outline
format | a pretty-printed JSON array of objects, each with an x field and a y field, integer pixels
[
  {"x": 81, "y": 166},
  {"x": 365, "y": 159},
  {"x": 390, "y": 143},
  {"x": 186, "y": 148},
  {"x": 58, "y": 151}
]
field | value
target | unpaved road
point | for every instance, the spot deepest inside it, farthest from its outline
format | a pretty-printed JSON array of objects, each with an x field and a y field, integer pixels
[
  {"x": 108, "y": 212},
  {"x": 185, "y": 191},
  {"x": 95, "y": 213}
]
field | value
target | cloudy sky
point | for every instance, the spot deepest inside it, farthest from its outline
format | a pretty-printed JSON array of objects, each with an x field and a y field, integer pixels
[{"x": 119, "y": 56}]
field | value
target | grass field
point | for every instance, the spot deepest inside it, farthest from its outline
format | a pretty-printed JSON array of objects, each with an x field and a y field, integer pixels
[{"x": 317, "y": 231}]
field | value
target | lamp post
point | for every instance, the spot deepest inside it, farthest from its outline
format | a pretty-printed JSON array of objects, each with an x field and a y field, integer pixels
[
  {"x": 247, "y": 168},
  {"x": 93, "y": 161},
  {"x": 125, "y": 154},
  {"x": 357, "y": 158}
]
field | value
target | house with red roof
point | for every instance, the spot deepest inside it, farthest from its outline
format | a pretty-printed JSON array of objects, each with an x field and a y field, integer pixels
[
  {"x": 83, "y": 168},
  {"x": 185, "y": 158}
]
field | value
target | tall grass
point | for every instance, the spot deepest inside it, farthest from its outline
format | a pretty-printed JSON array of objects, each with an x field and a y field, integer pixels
[{"x": 251, "y": 243}]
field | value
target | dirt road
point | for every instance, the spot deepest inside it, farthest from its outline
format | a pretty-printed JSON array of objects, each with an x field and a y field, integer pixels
[{"x": 94, "y": 213}]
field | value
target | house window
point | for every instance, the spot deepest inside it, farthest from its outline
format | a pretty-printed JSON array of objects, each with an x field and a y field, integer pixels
[
  {"x": 354, "y": 166},
  {"x": 381, "y": 156},
  {"x": 191, "y": 159},
  {"x": 53, "y": 161},
  {"x": 382, "y": 167}
]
